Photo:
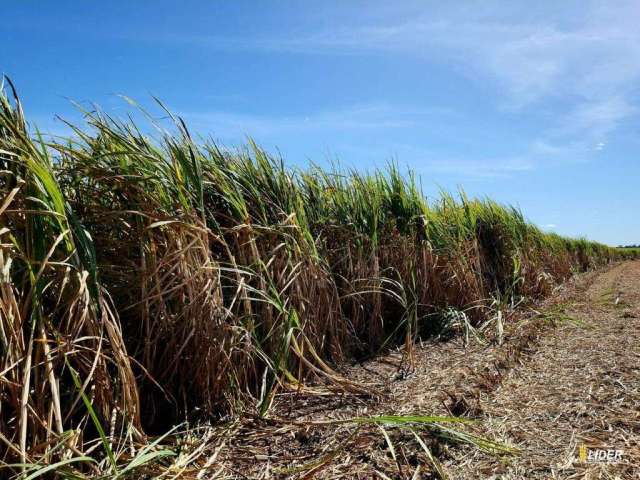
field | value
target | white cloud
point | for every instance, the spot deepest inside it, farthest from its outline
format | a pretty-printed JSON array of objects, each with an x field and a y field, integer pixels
[
  {"x": 428, "y": 162},
  {"x": 588, "y": 48},
  {"x": 577, "y": 62},
  {"x": 479, "y": 168},
  {"x": 586, "y": 55},
  {"x": 353, "y": 118},
  {"x": 595, "y": 44},
  {"x": 600, "y": 117}
]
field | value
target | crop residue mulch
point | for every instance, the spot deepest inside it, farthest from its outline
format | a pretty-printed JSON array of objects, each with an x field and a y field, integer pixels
[
  {"x": 582, "y": 387},
  {"x": 565, "y": 374}
]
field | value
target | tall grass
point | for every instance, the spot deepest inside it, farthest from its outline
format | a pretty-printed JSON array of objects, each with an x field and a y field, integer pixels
[
  {"x": 54, "y": 315},
  {"x": 171, "y": 276}
]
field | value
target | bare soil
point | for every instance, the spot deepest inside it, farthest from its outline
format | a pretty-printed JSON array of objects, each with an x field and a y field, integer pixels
[{"x": 563, "y": 374}]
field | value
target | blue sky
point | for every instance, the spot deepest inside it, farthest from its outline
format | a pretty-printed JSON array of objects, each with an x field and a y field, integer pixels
[{"x": 531, "y": 103}]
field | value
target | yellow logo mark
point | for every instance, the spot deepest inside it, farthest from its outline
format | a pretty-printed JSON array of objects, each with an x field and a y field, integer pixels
[{"x": 582, "y": 452}]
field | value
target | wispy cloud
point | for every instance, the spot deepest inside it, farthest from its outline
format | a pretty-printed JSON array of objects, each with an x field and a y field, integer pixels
[
  {"x": 573, "y": 64},
  {"x": 430, "y": 161},
  {"x": 476, "y": 168},
  {"x": 598, "y": 117},
  {"x": 369, "y": 117},
  {"x": 585, "y": 56},
  {"x": 595, "y": 45}
]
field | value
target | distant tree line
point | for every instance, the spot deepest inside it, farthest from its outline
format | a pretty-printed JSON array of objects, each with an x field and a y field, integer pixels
[{"x": 629, "y": 246}]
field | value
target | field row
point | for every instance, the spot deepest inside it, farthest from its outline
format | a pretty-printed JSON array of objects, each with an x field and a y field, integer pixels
[{"x": 144, "y": 278}]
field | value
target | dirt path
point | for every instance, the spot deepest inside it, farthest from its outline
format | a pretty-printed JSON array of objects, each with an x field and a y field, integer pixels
[
  {"x": 564, "y": 378},
  {"x": 581, "y": 386}
]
